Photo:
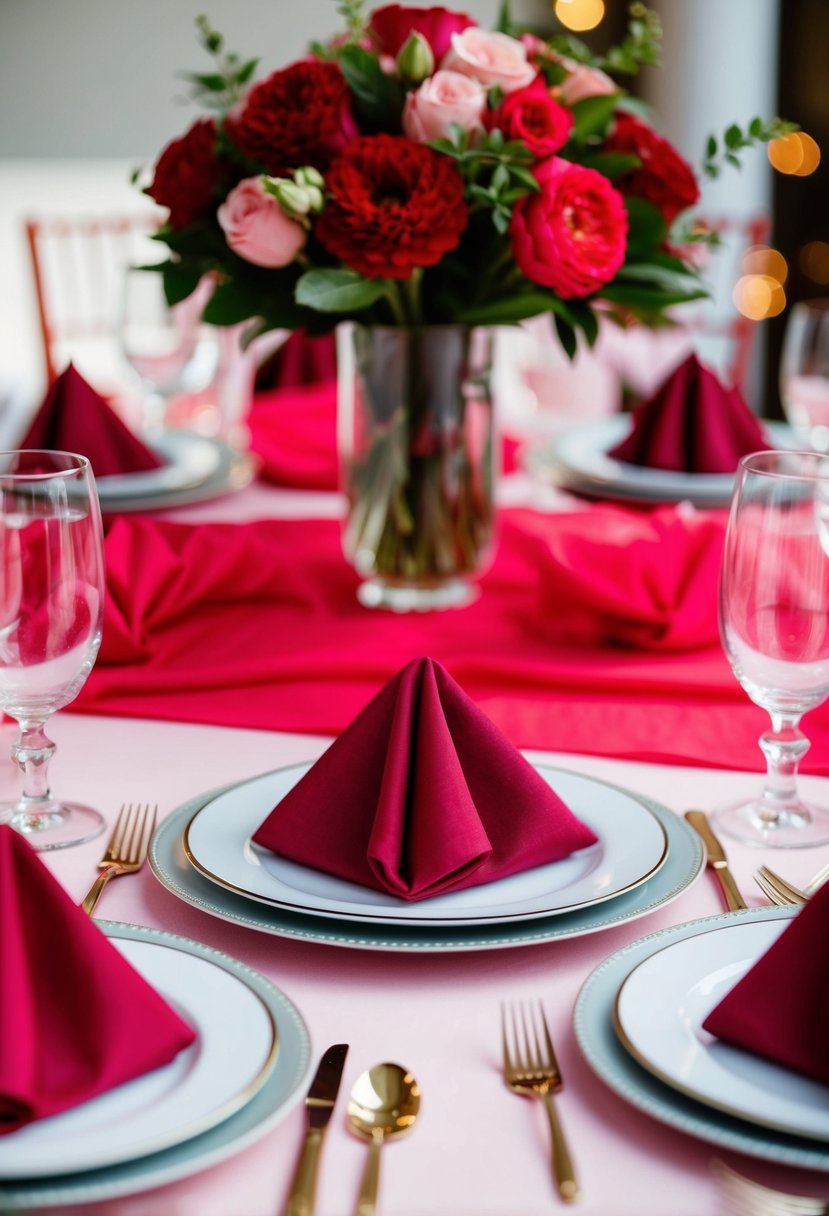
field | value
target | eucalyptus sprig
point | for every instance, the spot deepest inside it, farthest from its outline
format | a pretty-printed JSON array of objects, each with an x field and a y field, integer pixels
[
  {"x": 353, "y": 13},
  {"x": 735, "y": 140},
  {"x": 219, "y": 90},
  {"x": 496, "y": 170},
  {"x": 640, "y": 47}
]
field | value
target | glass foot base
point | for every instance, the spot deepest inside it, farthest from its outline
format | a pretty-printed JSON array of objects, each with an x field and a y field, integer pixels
[
  {"x": 68, "y": 824},
  {"x": 801, "y": 827},
  {"x": 417, "y": 597}
]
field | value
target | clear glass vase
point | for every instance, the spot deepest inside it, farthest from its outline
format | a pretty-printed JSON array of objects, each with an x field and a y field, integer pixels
[{"x": 418, "y": 458}]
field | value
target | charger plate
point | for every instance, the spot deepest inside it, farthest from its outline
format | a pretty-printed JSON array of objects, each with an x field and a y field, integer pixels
[
  {"x": 189, "y": 459},
  {"x": 632, "y": 845},
  {"x": 281, "y": 1089},
  {"x": 609, "y": 1059},
  {"x": 230, "y": 471},
  {"x": 168, "y": 860},
  {"x": 660, "y": 1010}
]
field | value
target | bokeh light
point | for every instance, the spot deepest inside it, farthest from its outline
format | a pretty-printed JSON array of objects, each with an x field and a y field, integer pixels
[
  {"x": 759, "y": 296},
  {"x": 579, "y": 14},
  {"x": 814, "y": 261},
  {"x": 762, "y": 259},
  {"x": 796, "y": 154}
]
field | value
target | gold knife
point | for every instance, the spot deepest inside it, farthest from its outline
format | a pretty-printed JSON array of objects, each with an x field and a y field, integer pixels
[
  {"x": 319, "y": 1106},
  {"x": 716, "y": 859}
]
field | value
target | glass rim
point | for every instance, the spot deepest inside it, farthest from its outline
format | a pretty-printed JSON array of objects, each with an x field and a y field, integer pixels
[
  {"x": 753, "y": 463},
  {"x": 82, "y": 465}
]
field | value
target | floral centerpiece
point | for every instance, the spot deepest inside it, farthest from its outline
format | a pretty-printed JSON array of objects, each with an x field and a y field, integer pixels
[{"x": 422, "y": 177}]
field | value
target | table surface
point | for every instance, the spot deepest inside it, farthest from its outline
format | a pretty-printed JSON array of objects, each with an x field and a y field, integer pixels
[{"x": 477, "y": 1150}]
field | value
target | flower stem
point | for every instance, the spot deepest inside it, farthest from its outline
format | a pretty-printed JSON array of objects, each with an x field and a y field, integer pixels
[
  {"x": 392, "y": 297},
  {"x": 411, "y": 288}
]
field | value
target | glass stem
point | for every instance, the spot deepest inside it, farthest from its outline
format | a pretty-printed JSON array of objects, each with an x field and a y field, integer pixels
[
  {"x": 32, "y": 752},
  {"x": 783, "y": 746}
]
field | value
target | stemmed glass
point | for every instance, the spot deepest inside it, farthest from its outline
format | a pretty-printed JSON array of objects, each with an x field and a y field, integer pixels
[
  {"x": 804, "y": 372},
  {"x": 169, "y": 348},
  {"x": 51, "y": 615},
  {"x": 774, "y": 625}
]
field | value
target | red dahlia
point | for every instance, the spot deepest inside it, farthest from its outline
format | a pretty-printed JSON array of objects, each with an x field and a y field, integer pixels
[
  {"x": 393, "y": 205},
  {"x": 664, "y": 178},
  {"x": 186, "y": 173},
  {"x": 298, "y": 116}
]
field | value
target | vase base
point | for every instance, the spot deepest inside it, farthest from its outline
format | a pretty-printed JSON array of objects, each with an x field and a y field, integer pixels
[{"x": 416, "y": 597}]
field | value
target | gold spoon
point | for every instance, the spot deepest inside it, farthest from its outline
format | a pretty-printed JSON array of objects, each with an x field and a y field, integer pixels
[{"x": 384, "y": 1102}]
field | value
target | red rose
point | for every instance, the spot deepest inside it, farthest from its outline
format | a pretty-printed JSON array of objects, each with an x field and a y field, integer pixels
[
  {"x": 664, "y": 178},
  {"x": 300, "y": 115},
  {"x": 391, "y": 26},
  {"x": 571, "y": 236},
  {"x": 186, "y": 173},
  {"x": 535, "y": 118},
  {"x": 393, "y": 205}
]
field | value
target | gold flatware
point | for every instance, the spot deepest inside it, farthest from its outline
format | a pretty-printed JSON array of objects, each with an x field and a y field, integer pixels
[
  {"x": 744, "y": 1197},
  {"x": 127, "y": 848},
  {"x": 531, "y": 1069},
  {"x": 780, "y": 891},
  {"x": 384, "y": 1102},
  {"x": 716, "y": 859},
  {"x": 319, "y": 1106}
]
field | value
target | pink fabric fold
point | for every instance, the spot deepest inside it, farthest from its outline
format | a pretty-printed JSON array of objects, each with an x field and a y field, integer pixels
[
  {"x": 77, "y": 1018},
  {"x": 692, "y": 424},
  {"x": 643, "y": 580},
  {"x": 422, "y": 794},
  {"x": 778, "y": 1009},
  {"x": 74, "y": 418}
]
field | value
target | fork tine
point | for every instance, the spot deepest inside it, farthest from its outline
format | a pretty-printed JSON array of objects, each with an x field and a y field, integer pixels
[
  {"x": 777, "y": 889},
  {"x": 508, "y": 1064},
  {"x": 118, "y": 831},
  {"x": 548, "y": 1042}
]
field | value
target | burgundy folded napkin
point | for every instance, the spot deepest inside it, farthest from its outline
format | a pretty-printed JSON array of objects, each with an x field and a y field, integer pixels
[
  {"x": 692, "y": 424},
  {"x": 74, "y": 418},
  {"x": 422, "y": 794},
  {"x": 645, "y": 580},
  {"x": 778, "y": 1009},
  {"x": 77, "y": 1018}
]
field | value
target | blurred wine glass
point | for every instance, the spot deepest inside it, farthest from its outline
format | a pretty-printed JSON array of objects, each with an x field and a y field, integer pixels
[
  {"x": 804, "y": 372},
  {"x": 774, "y": 625},
  {"x": 169, "y": 348},
  {"x": 51, "y": 614}
]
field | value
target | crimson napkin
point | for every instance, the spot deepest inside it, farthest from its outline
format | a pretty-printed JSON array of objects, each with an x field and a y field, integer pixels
[
  {"x": 74, "y": 418},
  {"x": 77, "y": 1018},
  {"x": 692, "y": 424},
  {"x": 779, "y": 1008},
  {"x": 422, "y": 794},
  {"x": 644, "y": 580}
]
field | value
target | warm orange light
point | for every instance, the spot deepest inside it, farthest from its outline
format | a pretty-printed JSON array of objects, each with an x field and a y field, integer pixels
[
  {"x": 579, "y": 14},
  {"x": 758, "y": 296},
  {"x": 814, "y": 261},
  {"x": 797, "y": 153},
  {"x": 762, "y": 259},
  {"x": 811, "y": 155}
]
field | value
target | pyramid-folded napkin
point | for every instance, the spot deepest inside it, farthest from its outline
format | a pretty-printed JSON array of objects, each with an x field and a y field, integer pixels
[
  {"x": 422, "y": 794},
  {"x": 77, "y": 1018},
  {"x": 692, "y": 424},
  {"x": 778, "y": 1009},
  {"x": 75, "y": 418}
]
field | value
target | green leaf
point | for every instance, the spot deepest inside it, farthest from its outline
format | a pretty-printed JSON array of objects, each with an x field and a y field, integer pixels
[
  {"x": 566, "y": 336},
  {"x": 646, "y": 231},
  {"x": 665, "y": 277},
  {"x": 500, "y": 178},
  {"x": 733, "y": 136},
  {"x": 610, "y": 164},
  {"x": 711, "y": 146},
  {"x": 592, "y": 116},
  {"x": 246, "y": 71},
  {"x": 646, "y": 300},
  {"x": 180, "y": 280},
  {"x": 378, "y": 98},
  {"x": 525, "y": 176},
  {"x": 231, "y": 303},
  {"x": 211, "y": 81},
  {"x": 336, "y": 290},
  {"x": 500, "y": 219}
]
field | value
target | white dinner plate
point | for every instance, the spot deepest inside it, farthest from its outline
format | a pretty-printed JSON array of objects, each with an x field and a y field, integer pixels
[
  {"x": 632, "y": 846},
  {"x": 189, "y": 459},
  {"x": 660, "y": 1009},
  {"x": 577, "y": 459},
  {"x": 282, "y": 1089},
  {"x": 231, "y": 1059}
]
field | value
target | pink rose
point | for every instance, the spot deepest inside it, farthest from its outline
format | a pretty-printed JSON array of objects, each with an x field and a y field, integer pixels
[
  {"x": 256, "y": 227},
  {"x": 535, "y": 118},
  {"x": 391, "y": 26},
  {"x": 494, "y": 59},
  {"x": 582, "y": 81},
  {"x": 442, "y": 99},
  {"x": 572, "y": 235}
]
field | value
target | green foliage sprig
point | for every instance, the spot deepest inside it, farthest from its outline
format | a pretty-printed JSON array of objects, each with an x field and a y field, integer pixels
[
  {"x": 735, "y": 140},
  {"x": 496, "y": 171},
  {"x": 221, "y": 89},
  {"x": 641, "y": 46}
]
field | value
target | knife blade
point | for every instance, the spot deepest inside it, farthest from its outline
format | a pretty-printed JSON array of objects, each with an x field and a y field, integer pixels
[
  {"x": 319, "y": 1106},
  {"x": 716, "y": 859}
]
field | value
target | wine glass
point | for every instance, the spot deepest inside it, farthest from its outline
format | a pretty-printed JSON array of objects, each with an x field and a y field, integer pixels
[
  {"x": 51, "y": 614},
  {"x": 774, "y": 625},
  {"x": 804, "y": 372},
  {"x": 168, "y": 347}
]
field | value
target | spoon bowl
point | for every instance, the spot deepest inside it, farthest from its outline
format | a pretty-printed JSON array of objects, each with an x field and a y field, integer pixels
[{"x": 384, "y": 1103}]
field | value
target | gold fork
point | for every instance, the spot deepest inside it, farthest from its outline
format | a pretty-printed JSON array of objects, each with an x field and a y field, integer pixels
[
  {"x": 779, "y": 891},
  {"x": 743, "y": 1197},
  {"x": 127, "y": 848},
  {"x": 531, "y": 1069}
]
